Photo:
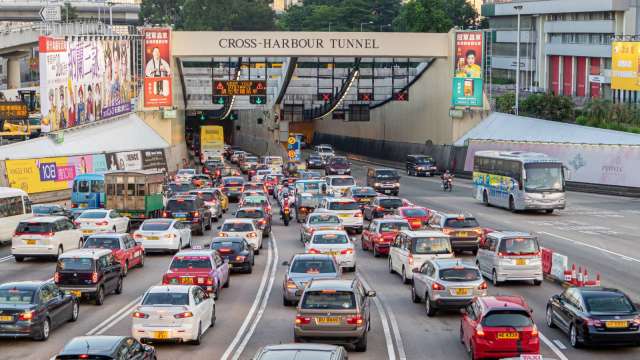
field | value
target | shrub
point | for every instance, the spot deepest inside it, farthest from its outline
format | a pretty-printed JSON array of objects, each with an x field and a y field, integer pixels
[{"x": 582, "y": 120}]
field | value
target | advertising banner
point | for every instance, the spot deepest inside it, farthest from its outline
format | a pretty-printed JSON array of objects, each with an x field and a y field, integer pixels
[
  {"x": 137, "y": 160},
  {"x": 157, "y": 70},
  {"x": 594, "y": 164},
  {"x": 468, "y": 72},
  {"x": 83, "y": 80},
  {"x": 624, "y": 65}
]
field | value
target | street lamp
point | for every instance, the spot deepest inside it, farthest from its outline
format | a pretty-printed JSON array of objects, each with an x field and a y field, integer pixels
[
  {"x": 365, "y": 23},
  {"x": 384, "y": 26},
  {"x": 517, "y": 107},
  {"x": 110, "y": 5}
]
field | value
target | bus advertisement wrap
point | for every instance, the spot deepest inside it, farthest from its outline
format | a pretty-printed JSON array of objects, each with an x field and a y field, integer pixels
[{"x": 468, "y": 72}]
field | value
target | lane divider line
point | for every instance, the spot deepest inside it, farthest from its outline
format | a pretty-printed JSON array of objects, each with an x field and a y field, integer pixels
[
  {"x": 625, "y": 257},
  {"x": 253, "y": 308},
  {"x": 6, "y": 258},
  {"x": 559, "y": 344},
  {"x": 107, "y": 321},
  {"x": 552, "y": 346},
  {"x": 265, "y": 301}
]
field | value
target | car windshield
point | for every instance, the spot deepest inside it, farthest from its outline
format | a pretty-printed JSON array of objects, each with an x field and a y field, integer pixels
[
  {"x": 342, "y": 182},
  {"x": 237, "y": 227},
  {"x": 330, "y": 239},
  {"x": 344, "y": 205},
  {"x": 393, "y": 226},
  {"x": 155, "y": 226},
  {"x": 325, "y": 150},
  {"x": 191, "y": 262},
  {"x": 315, "y": 157},
  {"x": 386, "y": 174},
  {"x": 177, "y": 188},
  {"x": 273, "y": 161},
  {"x": 81, "y": 186},
  {"x": 544, "y": 177},
  {"x": 44, "y": 209},
  {"x": 16, "y": 296},
  {"x": 339, "y": 161},
  {"x": 507, "y": 318},
  {"x": 390, "y": 203},
  {"x": 206, "y": 196},
  {"x": 213, "y": 163},
  {"x": 414, "y": 212},
  {"x": 251, "y": 159},
  {"x": 328, "y": 299},
  {"x": 180, "y": 205},
  {"x": 310, "y": 186},
  {"x": 280, "y": 354},
  {"x": 93, "y": 215},
  {"x": 324, "y": 219},
  {"x": 102, "y": 243},
  {"x": 461, "y": 223},
  {"x": 34, "y": 228},
  {"x": 607, "y": 303},
  {"x": 519, "y": 246},
  {"x": 234, "y": 181},
  {"x": 432, "y": 245},
  {"x": 424, "y": 160},
  {"x": 186, "y": 172},
  {"x": 166, "y": 298},
  {"x": 225, "y": 247},
  {"x": 249, "y": 213},
  {"x": 70, "y": 264},
  {"x": 307, "y": 266},
  {"x": 366, "y": 191},
  {"x": 459, "y": 274}
]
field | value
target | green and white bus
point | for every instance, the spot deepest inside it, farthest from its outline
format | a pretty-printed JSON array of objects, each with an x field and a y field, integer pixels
[{"x": 519, "y": 180}]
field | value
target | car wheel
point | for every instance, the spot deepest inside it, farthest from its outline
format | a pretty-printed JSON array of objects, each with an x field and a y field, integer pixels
[
  {"x": 99, "y": 297},
  {"x": 198, "y": 338},
  {"x": 390, "y": 266},
  {"x": 494, "y": 279},
  {"x": 60, "y": 251},
  {"x": 216, "y": 293},
  {"x": 549, "y": 318},
  {"x": 120, "y": 285},
  {"x": 213, "y": 316},
  {"x": 19, "y": 258},
  {"x": 361, "y": 345},
  {"x": 375, "y": 252},
  {"x": 537, "y": 282},
  {"x": 428, "y": 306},
  {"x": 250, "y": 269},
  {"x": 75, "y": 311},
  {"x": 573, "y": 337},
  {"x": 414, "y": 297},
  {"x": 474, "y": 252},
  {"x": 286, "y": 302},
  {"x": 45, "y": 329},
  {"x": 141, "y": 264},
  {"x": 461, "y": 334},
  {"x": 405, "y": 280},
  {"x": 128, "y": 227},
  {"x": 512, "y": 206},
  {"x": 114, "y": 229},
  {"x": 80, "y": 243},
  {"x": 362, "y": 244},
  {"x": 408, "y": 172},
  {"x": 125, "y": 268}
]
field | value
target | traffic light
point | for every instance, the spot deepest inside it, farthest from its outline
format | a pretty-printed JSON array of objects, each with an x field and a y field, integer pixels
[
  {"x": 203, "y": 116},
  {"x": 401, "y": 96},
  {"x": 365, "y": 96},
  {"x": 326, "y": 97},
  {"x": 258, "y": 99},
  {"x": 220, "y": 100}
]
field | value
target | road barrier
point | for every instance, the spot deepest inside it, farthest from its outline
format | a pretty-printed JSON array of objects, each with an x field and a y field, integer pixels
[{"x": 555, "y": 267}]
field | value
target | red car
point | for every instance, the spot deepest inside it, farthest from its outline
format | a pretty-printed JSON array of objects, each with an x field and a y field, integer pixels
[
  {"x": 417, "y": 216},
  {"x": 499, "y": 327},
  {"x": 125, "y": 250},
  {"x": 204, "y": 268},
  {"x": 378, "y": 236},
  {"x": 272, "y": 181}
]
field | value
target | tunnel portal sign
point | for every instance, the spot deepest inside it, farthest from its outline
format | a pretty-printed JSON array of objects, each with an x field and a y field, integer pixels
[{"x": 235, "y": 87}]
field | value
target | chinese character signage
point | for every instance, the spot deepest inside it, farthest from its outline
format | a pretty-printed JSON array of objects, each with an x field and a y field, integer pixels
[
  {"x": 234, "y": 87},
  {"x": 83, "y": 80},
  {"x": 157, "y": 70},
  {"x": 468, "y": 76},
  {"x": 625, "y": 57},
  {"x": 10, "y": 110}
]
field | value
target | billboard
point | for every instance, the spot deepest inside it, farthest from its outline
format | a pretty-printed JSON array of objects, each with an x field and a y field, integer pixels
[
  {"x": 157, "y": 70},
  {"x": 83, "y": 80},
  {"x": 624, "y": 65},
  {"x": 468, "y": 72},
  {"x": 57, "y": 173},
  {"x": 594, "y": 164}
]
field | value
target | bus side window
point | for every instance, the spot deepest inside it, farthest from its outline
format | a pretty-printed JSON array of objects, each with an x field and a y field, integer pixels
[
  {"x": 97, "y": 186},
  {"x": 27, "y": 205}
]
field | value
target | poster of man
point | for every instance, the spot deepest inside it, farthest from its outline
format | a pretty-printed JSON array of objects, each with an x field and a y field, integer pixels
[{"x": 157, "y": 71}]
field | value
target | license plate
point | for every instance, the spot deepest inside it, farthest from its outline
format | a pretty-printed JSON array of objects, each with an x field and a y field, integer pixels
[
  {"x": 463, "y": 234},
  {"x": 82, "y": 206},
  {"x": 180, "y": 215},
  {"x": 387, "y": 191},
  {"x": 461, "y": 292},
  {"x": 344, "y": 215},
  {"x": 508, "y": 336},
  {"x": 328, "y": 320},
  {"x": 30, "y": 242},
  {"x": 521, "y": 262},
  {"x": 87, "y": 231},
  {"x": 160, "y": 334},
  {"x": 616, "y": 324},
  {"x": 332, "y": 253},
  {"x": 76, "y": 293},
  {"x": 181, "y": 219},
  {"x": 230, "y": 266},
  {"x": 152, "y": 238},
  {"x": 6, "y": 318},
  {"x": 186, "y": 281}
]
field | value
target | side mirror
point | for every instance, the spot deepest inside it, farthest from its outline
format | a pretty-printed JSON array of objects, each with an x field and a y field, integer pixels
[
  {"x": 371, "y": 293},
  {"x": 138, "y": 243},
  {"x": 285, "y": 263},
  {"x": 219, "y": 227},
  {"x": 556, "y": 297},
  {"x": 463, "y": 311},
  {"x": 416, "y": 271}
]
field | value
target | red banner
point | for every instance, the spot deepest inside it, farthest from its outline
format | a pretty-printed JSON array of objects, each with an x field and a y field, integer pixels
[{"x": 157, "y": 70}]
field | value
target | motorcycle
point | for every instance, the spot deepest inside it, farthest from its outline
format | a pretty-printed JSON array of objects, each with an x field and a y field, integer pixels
[
  {"x": 286, "y": 214},
  {"x": 447, "y": 184}
]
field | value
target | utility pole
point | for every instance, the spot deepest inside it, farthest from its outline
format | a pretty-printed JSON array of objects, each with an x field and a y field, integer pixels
[{"x": 517, "y": 107}]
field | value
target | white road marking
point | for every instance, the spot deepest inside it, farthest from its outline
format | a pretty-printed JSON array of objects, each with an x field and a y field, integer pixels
[
  {"x": 559, "y": 344},
  {"x": 591, "y": 246},
  {"x": 6, "y": 258},
  {"x": 109, "y": 322},
  {"x": 265, "y": 301},
  {"x": 254, "y": 306},
  {"x": 551, "y": 346}
]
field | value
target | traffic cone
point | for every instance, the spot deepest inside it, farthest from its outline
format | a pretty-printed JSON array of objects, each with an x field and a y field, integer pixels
[
  {"x": 580, "y": 280},
  {"x": 567, "y": 275},
  {"x": 598, "y": 279},
  {"x": 574, "y": 280}
]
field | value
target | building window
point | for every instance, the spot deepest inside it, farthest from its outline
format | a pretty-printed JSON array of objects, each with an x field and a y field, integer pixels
[{"x": 607, "y": 63}]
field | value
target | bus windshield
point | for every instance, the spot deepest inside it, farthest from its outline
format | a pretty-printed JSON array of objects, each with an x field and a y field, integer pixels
[{"x": 544, "y": 177}]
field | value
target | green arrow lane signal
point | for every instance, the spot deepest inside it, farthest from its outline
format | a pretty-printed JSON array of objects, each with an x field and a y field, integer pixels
[
  {"x": 220, "y": 101},
  {"x": 203, "y": 117},
  {"x": 258, "y": 100}
]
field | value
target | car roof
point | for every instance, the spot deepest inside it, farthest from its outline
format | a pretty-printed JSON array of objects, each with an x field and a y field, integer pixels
[
  {"x": 503, "y": 301},
  {"x": 453, "y": 262},
  {"x": 312, "y": 257},
  {"x": 455, "y": 215},
  {"x": 84, "y": 253},
  {"x": 169, "y": 288},
  {"x": 340, "y": 199},
  {"x": 510, "y": 234},
  {"x": 383, "y": 168},
  {"x": 391, "y": 218},
  {"x": 227, "y": 239},
  {"x": 424, "y": 233},
  {"x": 23, "y": 285},
  {"x": 92, "y": 345},
  {"x": 185, "y": 197},
  {"x": 297, "y": 351},
  {"x": 327, "y": 232},
  {"x": 600, "y": 290},
  {"x": 108, "y": 235},
  {"x": 253, "y": 208},
  {"x": 331, "y": 284},
  {"x": 340, "y": 177},
  {"x": 202, "y": 252},
  {"x": 161, "y": 220},
  {"x": 238, "y": 220},
  {"x": 43, "y": 219},
  {"x": 385, "y": 197}
]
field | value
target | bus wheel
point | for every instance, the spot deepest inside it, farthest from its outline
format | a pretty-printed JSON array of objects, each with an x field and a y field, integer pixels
[
  {"x": 512, "y": 206},
  {"x": 485, "y": 198}
]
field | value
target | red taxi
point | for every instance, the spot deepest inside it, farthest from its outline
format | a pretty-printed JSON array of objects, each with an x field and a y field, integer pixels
[
  {"x": 417, "y": 216},
  {"x": 378, "y": 236},
  {"x": 126, "y": 251},
  {"x": 271, "y": 182},
  {"x": 499, "y": 327},
  {"x": 204, "y": 268}
]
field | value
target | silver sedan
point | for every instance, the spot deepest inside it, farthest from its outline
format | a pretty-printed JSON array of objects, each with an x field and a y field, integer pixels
[{"x": 319, "y": 221}]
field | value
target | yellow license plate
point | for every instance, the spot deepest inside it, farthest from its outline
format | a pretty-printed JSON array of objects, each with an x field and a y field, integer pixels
[
  {"x": 160, "y": 334},
  {"x": 186, "y": 281},
  {"x": 76, "y": 293},
  {"x": 152, "y": 238},
  {"x": 463, "y": 234},
  {"x": 30, "y": 242},
  {"x": 6, "y": 318},
  {"x": 181, "y": 219},
  {"x": 82, "y": 206},
  {"x": 332, "y": 253},
  {"x": 508, "y": 336},
  {"x": 230, "y": 266},
  {"x": 328, "y": 320},
  {"x": 521, "y": 262},
  {"x": 344, "y": 215},
  {"x": 462, "y": 292},
  {"x": 87, "y": 231},
  {"x": 616, "y": 324}
]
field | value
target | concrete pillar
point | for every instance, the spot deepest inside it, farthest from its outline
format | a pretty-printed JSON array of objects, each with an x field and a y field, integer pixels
[{"x": 13, "y": 72}]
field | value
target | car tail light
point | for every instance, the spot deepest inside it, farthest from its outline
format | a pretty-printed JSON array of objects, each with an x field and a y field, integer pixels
[
  {"x": 200, "y": 280},
  {"x": 183, "y": 315},
  {"x": 76, "y": 223},
  {"x": 593, "y": 322},
  {"x": 447, "y": 231},
  {"x": 483, "y": 286},
  {"x": 436, "y": 286},
  {"x": 94, "y": 277},
  {"x": 379, "y": 208},
  {"x": 251, "y": 235},
  {"x": 73, "y": 206},
  {"x": 534, "y": 330},
  {"x": 27, "y": 315},
  {"x": 346, "y": 252},
  {"x": 240, "y": 258},
  {"x": 502, "y": 254},
  {"x": 479, "y": 330},
  {"x": 209, "y": 280},
  {"x": 140, "y": 315},
  {"x": 137, "y": 236},
  {"x": 478, "y": 231},
  {"x": 636, "y": 320},
  {"x": 56, "y": 277},
  {"x": 291, "y": 284},
  {"x": 83, "y": 356},
  {"x": 262, "y": 222},
  {"x": 310, "y": 230},
  {"x": 355, "y": 320},
  {"x": 222, "y": 234},
  {"x": 358, "y": 214},
  {"x": 165, "y": 280},
  {"x": 313, "y": 251},
  {"x": 302, "y": 320},
  {"x": 165, "y": 214},
  {"x": 410, "y": 260},
  {"x": 102, "y": 223},
  {"x": 196, "y": 214}
]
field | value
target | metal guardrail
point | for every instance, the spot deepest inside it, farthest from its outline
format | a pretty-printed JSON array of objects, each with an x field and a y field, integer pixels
[{"x": 69, "y": 29}]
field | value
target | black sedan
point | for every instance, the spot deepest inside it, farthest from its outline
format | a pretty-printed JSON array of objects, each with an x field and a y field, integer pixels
[
  {"x": 52, "y": 210},
  {"x": 237, "y": 251},
  {"x": 595, "y": 316},
  {"x": 33, "y": 308},
  {"x": 107, "y": 348},
  {"x": 315, "y": 162}
]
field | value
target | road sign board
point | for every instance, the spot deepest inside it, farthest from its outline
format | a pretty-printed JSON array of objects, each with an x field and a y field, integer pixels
[
  {"x": 236, "y": 87},
  {"x": 258, "y": 99},
  {"x": 51, "y": 13},
  {"x": 219, "y": 100},
  {"x": 291, "y": 140}
]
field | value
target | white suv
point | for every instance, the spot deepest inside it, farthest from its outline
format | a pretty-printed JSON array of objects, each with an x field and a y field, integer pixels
[
  {"x": 410, "y": 249},
  {"x": 244, "y": 228},
  {"x": 338, "y": 185},
  {"x": 46, "y": 236},
  {"x": 347, "y": 209}
]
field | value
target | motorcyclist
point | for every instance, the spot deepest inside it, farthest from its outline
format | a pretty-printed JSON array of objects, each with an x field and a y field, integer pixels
[{"x": 446, "y": 178}]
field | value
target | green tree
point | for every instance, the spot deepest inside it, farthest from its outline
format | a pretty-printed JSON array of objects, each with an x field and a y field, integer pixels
[
  {"x": 435, "y": 16},
  {"x": 505, "y": 103},
  {"x": 161, "y": 12},
  {"x": 69, "y": 13}
]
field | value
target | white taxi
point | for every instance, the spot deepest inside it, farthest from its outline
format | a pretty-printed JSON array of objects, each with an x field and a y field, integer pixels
[
  {"x": 163, "y": 235},
  {"x": 244, "y": 228},
  {"x": 347, "y": 209},
  {"x": 335, "y": 243},
  {"x": 173, "y": 313},
  {"x": 339, "y": 184},
  {"x": 185, "y": 175},
  {"x": 44, "y": 237},
  {"x": 101, "y": 221}
]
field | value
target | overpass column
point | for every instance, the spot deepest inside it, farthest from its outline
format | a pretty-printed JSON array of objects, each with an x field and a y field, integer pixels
[{"x": 13, "y": 72}]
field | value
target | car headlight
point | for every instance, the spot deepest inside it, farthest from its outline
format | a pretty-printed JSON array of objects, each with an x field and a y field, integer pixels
[
  {"x": 377, "y": 184},
  {"x": 396, "y": 184}
]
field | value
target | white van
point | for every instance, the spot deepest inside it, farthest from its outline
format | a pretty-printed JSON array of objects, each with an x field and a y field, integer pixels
[
  {"x": 15, "y": 206},
  {"x": 410, "y": 249}
]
